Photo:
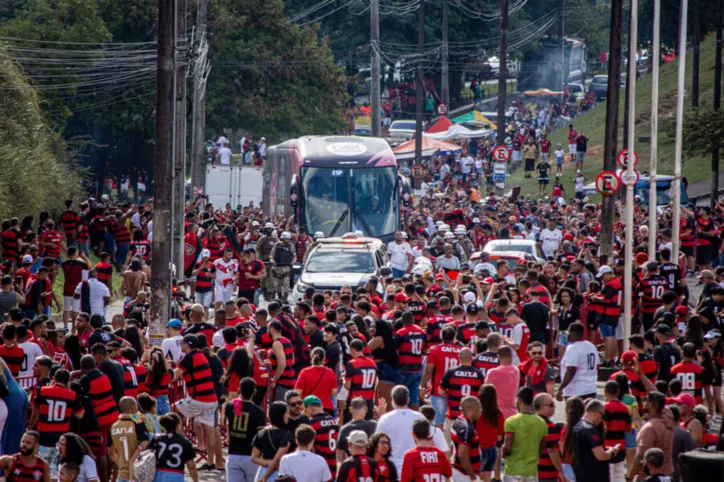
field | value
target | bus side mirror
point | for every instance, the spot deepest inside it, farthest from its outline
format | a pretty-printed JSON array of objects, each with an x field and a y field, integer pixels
[{"x": 294, "y": 192}]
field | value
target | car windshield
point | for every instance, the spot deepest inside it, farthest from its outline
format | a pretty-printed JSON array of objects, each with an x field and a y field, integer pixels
[
  {"x": 663, "y": 195},
  {"x": 525, "y": 248},
  {"x": 575, "y": 88},
  {"x": 600, "y": 80},
  {"x": 336, "y": 201},
  {"x": 322, "y": 261},
  {"x": 403, "y": 125}
]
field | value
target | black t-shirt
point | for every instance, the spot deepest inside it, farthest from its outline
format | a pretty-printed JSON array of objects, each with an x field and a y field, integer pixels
[
  {"x": 316, "y": 339},
  {"x": 535, "y": 315},
  {"x": 666, "y": 356},
  {"x": 243, "y": 427},
  {"x": 543, "y": 168},
  {"x": 102, "y": 336},
  {"x": 292, "y": 426},
  {"x": 334, "y": 358},
  {"x": 586, "y": 466},
  {"x": 269, "y": 440},
  {"x": 172, "y": 450},
  {"x": 114, "y": 371},
  {"x": 569, "y": 317},
  {"x": 367, "y": 426},
  {"x": 89, "y": 422}
]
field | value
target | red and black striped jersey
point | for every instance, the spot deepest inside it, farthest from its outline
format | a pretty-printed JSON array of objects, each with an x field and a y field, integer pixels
[
  {"x": 56, "y": 404},
  {"x": 362, "y": 373},
  {"x": 486, "y": 361},
  {"x": 425, "y": 464},
  {"x": 121, "y": 234},
  {"x": 463, "y": 433},
  {"x": 10, "y": 244},
  {"x": 466, "y": 332},
  {"x": 288, "y": 377},
  {"x": 546, "y": 469},
  {"x": 205, "y": 277},
  {"x": 690, "y": 375},
  {"x": 105, "y": 272},
  {"x": 410, "y": 342},
  {"x": 442, "y": 358},
  {"x": 617, "y": 421},
  {"x": 198, "y": 377},
  {"x": 13, "y": 357},
  {"x": 141, "y": 248},
  {"x": 634, "y": 383},
  {"x": 198, "y": 329},
  {"x": 54, "y": 238},
  {"x": 648, "y": 368},
  {"x": 673, "y": 274},
  {"x": 82, "y": 235},
  {"x": 97, "y": 386},
  {"x": 687, "y": 231},
  {"x": 358, "y": 468},
  {"x": 418, "y": 308},
  {"x": 69, "y": 222},
  {"x": 262, "y": 339},
  {"x": 434, "y": 327},
  {"x": 134, "y": 379},
  {"x": 460, "y": 382},
  {"x": 325, "y": 443},
  {"x": 650, "y": 290},
  {"x": 19, "y": 472},
  {"x": 156, "y": 388}
]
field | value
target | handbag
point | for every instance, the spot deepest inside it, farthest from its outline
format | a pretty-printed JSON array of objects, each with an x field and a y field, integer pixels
[{"x": 144, "y": 467}]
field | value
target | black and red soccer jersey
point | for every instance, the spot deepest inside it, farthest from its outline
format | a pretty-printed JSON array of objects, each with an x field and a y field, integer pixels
[
  {"x": 651, "y": 289},
  {"x": 648, "y": 367},
  {"x": 288, "y": 377},
  {"x": 486, "y": 361},
  {"x": 410, "y": 342},
  {"x": 434, "y": 327},
  {"x": 325, "y": 443},
  {"x": 442, "y": 358},
  {"x": 466, "y": 332},
  {"x": 13, "y": 357},
  {"x": 362, "y": 373},
  {"x": 56, "y": 404},
  {"x": 673, "y": 273},
  {"x": 425, "y": 464},
  {"x": 460, "y": 382},
  {"x": 359, "y": 468},
  {"x": 617, "y": 421},
  {"x": 546, "y": 469},
  {"x": 97, "y": 386},
  {"x": 636, "y": 387},
  {"x": 690, "y": 375},
  {"x": 141, "y": 248},
  {"x": 463, "y": 433}
]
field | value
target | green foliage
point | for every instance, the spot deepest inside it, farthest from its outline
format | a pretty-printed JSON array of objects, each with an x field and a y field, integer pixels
[
  {"x": 270, "y": 77},
  {"x": 37, "y": 173},
  {"x": 704, "y": 131}
]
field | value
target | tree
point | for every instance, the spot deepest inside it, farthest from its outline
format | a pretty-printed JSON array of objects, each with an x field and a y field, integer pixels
[
  {"x": 703, "y": 132},
  {"x": 268, "y": 76}
]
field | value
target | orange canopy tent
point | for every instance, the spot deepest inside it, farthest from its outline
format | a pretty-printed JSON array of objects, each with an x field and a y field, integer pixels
[
  {"x": 441, "y": 125},
  {"x": 427, "y": 145}
]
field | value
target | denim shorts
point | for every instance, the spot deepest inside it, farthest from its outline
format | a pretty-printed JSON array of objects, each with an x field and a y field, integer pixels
[
  {"x": 630, "y": 439},
  {"x": 607, "y": 331},
  {"x": 412, "y": 381},
  {"x": 121, "y": 253},
  {"x": 162, "y": 405},
  {"x": 440, "y": 405},
  {"x": 563, "y": 339},
  {"x": 204, "y": 299},
  {"x": 387, "y": 373},
  {"x": 162, "y": 476},
  {"x": 489, "y": 456}
]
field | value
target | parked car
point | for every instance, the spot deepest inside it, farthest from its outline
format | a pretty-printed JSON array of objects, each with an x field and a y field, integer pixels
[
  {"x": 599, "y": 86},
  {"x": 402, "y": 130},
  {"x": 528, "y": 246}
]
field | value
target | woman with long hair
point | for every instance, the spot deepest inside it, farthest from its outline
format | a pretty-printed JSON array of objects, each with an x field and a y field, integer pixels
[
  {"x": 382, "y": 346},
  {"x": 170, "y": 463},
  {"x": 714, "y": 341},
  {"x": 237, "y": 369},
  {"x": 133, "y": 336},
  {"x": 490, "y": 431},
  {"x": 624, "y": 394},
  {"x": 158, "y": 379},
  {"x": 707, "y": 376},
  {"x": 574, "y": 413},
  {"x": 567, "y": 313},
  {"x": 693, "y": 334},
  {"x": 318, "y": 380},
  {"x": 73, "y": 449},
  {"x": 271, "y": 443},
  {"x": 379, "y": 450},
  {"x": 73, "y": 350}
]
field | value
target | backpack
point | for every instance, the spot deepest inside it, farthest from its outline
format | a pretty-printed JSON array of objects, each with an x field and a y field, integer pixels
[{"x": 144, "y": 467}]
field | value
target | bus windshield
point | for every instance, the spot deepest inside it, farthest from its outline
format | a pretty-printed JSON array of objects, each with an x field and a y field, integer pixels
[
  {"x": 340, "y": 200},
  {"x": 663, "y": 194}
]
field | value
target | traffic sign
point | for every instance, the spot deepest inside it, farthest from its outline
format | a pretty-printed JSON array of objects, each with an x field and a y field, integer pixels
[
  {"x": 417, "y": 172},
  {"x": 623, "y": 158},
  {"x": 501, "y": 154},
  {"x": 442, "y": 109},
  {"x": 607, "y": 183},
  {"x": 627, "y": 180},
  {"x": 499, "y": 172}
]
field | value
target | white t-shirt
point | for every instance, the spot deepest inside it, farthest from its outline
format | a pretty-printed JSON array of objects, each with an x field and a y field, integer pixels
[
  {"x": 32, "y": 351},
  {"x": 225, "y": 155},
  {"x": 136, "y": 220},
  {"x": 580, "y": 181},
  {"x": 398, "y": 254},
  {"x": 88, "y": 470},
  {"x": 559, "y": 154},
  {"x": 98, "y": 291},
  {"x": 444, "y": 171},
  {"x": 551, "y": 240},
  {"x": 466, "y": 164},
  {"x": 172, "y": 348},
  {"x": 583, "y": 356},
  {"x": 221, "y": 141},
  {"x": 217, "y": 340},
  {"x": 225, "y": 269},
  {"x": 305, "y": 466},
  {"x": 397, "y": 425}
]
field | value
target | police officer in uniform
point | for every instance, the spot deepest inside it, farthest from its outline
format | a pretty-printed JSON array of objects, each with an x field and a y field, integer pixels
[
  {"x": 264, "y": 247},
  {"x": 282, "y": 258}
]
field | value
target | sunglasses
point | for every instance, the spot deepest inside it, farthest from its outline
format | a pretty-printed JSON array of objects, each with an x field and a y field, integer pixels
[
  {"x": 536, "y": 353},
  {"x": 296, "y": 404}
]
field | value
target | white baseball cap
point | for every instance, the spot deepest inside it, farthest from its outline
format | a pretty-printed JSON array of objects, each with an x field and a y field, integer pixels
[
  {"x": 604, "y": 270},
  {"x": 206, "y": 253}
]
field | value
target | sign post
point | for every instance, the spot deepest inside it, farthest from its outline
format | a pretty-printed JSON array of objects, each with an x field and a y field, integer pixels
[
  {"x": 629, "y": 178},
  {"x": 499, "y": 172},
  {"x": 501, "y": 154},
  {"x": 623, "y": 159},
  {"x": 442, "y": 109},
  {"x": 417, "y": 172},
  {"x": 607, "y": 183}
]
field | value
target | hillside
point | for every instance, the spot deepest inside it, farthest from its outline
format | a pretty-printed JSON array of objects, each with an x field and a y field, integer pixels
[{"x": 694, "y": 168}]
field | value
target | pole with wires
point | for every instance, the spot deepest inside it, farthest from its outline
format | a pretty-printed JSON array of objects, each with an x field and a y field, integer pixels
[
  {"x": 445, "y": 74},
  {"x": 502, "y": 72},
  {"x": 420, "y": 87},
  {"x": 161, "y": 261},
  {"x": 375, "y": 77},
  {"x": 628, "y": 244},
  {"x": 676, "y": 185},
  {"x": 655, "y": 61},
  {"x": 199, "y": 106},
  {"x": 179, "y": 167},
  {"x": 562, "y": 34},
  {"x": 716, "y": 148}
]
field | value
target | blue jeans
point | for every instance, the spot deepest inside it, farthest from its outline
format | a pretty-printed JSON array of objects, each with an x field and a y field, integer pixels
[
  {"x": 261, "y": 472},
  {"x": 412, "y": 381},
  {"x": 121, "y": 253},
  {"x": 607, "y": 331},
  {"x": 162, "y": 476},
  {"x": 162, "y": 405},
  {"x": 440, "y": 405},
  {"x": 568, "y": 472},
  {"x": 489, "y": 457},
  {"x": 241, "y": 468},
  {"x": 398, "y": 273}
]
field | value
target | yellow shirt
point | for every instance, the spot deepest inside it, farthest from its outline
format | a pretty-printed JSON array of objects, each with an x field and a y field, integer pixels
[{"x": 126, "y": 436}]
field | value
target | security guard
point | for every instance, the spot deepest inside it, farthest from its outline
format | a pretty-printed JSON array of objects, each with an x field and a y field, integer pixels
[
  {"x": 264, "y": 247},
  {"x": 282, "y": 258}
]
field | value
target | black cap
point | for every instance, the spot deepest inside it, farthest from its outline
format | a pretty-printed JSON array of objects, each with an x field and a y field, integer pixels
[
  {"x": 274, "y": 306},
  {"x": 191, "y": 340},
  {"x": 663, "y": 329},
  {"x": 472, "y": 308}
]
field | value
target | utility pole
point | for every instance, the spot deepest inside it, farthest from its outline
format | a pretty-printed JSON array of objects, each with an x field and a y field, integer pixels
[
  {"x": 420, "y": 87},
  {"x": 696, "y": 25},
  {"x": 562, "y": 35},
  {"x": 611, "y": 135},
  {"x": 162, "y": 173},
  {"x": 375, "y": 80},
  {"x": 676, "y": 186},
  {"x": 445, "y": 78},
  {"x": 717, "y": 103},
  {"x": 179, "y": 165},
  {"x": 199, "y": 115},
  {"x": 631, "y": 56},
  {"x": 502, "y": 72},
  {"x": 655, "y": 62}
]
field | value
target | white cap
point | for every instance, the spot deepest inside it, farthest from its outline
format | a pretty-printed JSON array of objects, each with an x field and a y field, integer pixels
[
  {"x": 255, "y": 223},
  {"x": 449, "y": 235},
  {"x": 476, "y": 220},
  {"x": 319, "y": 234},
  {"x": 603, "y": 270},
  {"x": 27, "y": 258},
  {"x": 404, "y": 234},
  {"x": 268, "y": 226},
  {"x": 469, "y": 297},
  {"x": 206, "y": 253},
  {"x": 286, "y": 235}
]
